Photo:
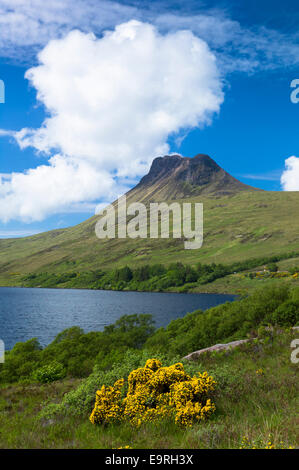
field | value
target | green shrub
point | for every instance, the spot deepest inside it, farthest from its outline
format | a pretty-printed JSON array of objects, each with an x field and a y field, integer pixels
[
  {"x": 21, "y": 361},
  {"x": 272, "y": 267},
  {"x": 286, "y": 314},
  {"x": 49, "y": 373}
]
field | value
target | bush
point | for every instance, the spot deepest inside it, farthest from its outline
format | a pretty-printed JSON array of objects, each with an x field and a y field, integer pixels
[
  {"x": 20, "y": 362},
  {"x": 272, "y": 267},
  {"x": 154, "y": 393},
  {"x": 49, "y": 373},
  {"x": 286, "y": 314}
]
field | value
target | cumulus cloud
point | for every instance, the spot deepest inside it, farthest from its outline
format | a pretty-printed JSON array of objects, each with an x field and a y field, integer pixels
[
  {"x": 47, "y": 189},
  {"x": 290, "y": 176},
  {"x": 111, "y": 105}
]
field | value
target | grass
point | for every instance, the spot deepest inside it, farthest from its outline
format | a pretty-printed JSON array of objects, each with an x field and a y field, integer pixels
[
  {"x": 248, "y": 404},
  {"x": 240, "y": 285}
]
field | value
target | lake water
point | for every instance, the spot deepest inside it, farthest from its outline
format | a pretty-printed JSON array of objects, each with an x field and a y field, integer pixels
[{"x": 43, "y": 313}]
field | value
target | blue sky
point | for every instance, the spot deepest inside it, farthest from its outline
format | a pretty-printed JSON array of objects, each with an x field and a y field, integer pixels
[{"x": 248, "y": 125}]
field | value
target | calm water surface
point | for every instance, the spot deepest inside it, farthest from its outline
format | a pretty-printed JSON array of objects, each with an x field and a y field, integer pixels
[{"x": 43, "y": 313}]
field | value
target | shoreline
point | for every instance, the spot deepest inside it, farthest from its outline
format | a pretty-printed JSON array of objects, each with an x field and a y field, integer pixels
[
  {"x": 123, "y": 290},
  {"x": 233, "y": 284}
]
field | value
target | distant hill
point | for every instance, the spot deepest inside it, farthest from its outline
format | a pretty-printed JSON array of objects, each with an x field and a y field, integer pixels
[{"x": 240, "y": 222}]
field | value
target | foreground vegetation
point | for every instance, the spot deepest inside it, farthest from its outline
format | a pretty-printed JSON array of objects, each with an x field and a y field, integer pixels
[
  {"x": 256, "y": 402},
  {"x": 47, "y": 395}
]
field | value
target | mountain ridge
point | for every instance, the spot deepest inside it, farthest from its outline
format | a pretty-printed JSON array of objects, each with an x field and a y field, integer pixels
[{"x": 174, "y": 176}]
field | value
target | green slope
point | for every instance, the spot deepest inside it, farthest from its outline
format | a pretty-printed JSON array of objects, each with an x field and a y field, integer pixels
[{"x": 248, "y": 224}]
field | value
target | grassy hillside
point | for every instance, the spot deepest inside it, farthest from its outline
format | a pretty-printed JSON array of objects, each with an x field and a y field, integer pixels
[{"x": 248, "y": 224}]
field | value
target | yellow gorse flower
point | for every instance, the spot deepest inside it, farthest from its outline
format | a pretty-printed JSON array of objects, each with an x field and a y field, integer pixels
[{"x": 156, "y": 392}]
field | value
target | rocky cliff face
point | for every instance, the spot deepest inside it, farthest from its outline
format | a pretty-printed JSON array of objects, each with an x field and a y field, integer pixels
[{"x": 175, "y": 177}]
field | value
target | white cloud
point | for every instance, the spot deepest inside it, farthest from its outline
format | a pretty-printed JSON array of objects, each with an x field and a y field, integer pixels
[
  {"x": 29, "y": 25},
  {"x": 273, "y": 175},
  {"x": 47, "y": 189},
  {"x": 26, "y": 26},
  {"x": 111, "y": 105},
  {"x": 7, "y": 133},
  {"x": 17, "y": 233},
  {"x": 290, "y": 177}
]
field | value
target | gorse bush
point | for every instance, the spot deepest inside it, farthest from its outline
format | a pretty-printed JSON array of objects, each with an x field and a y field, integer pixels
[{"x": 154, "y": 393}]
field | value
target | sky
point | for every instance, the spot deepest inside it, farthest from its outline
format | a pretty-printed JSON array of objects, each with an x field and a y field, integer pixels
[{"x": 95, "y": 90}]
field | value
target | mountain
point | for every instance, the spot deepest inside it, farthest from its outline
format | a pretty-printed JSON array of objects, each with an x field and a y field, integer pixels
[
  {"x": 240, "y": 222},
  {"x": 175, "y": 177}
]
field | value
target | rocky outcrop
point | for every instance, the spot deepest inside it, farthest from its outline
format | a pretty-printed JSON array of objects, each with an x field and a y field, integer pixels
[
  {"x": 216, "y": 347},
  {"x": 226, "y": 346},
  {"x": 174, "y": 177}
]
